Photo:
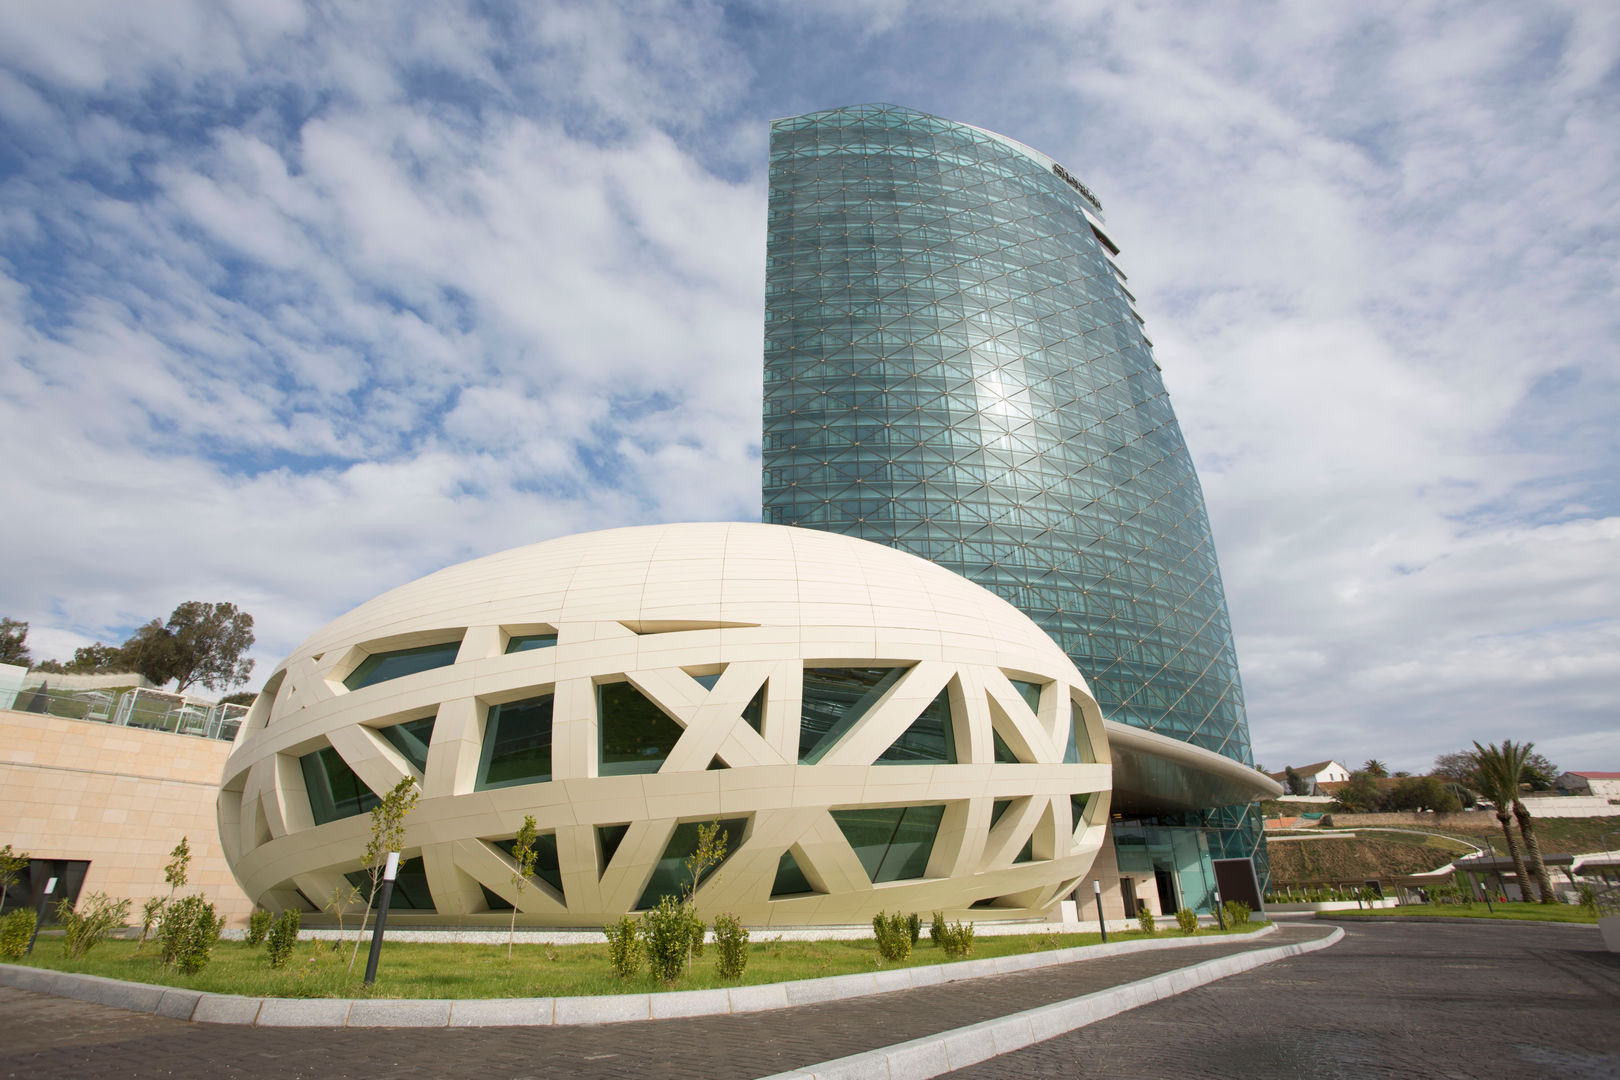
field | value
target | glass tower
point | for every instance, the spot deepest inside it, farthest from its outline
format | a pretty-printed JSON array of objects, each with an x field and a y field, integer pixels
[{"x": 954, "y": 366}]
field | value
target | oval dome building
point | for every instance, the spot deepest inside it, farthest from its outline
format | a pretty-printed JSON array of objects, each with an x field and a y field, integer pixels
[{"x": 871, "y": 731}]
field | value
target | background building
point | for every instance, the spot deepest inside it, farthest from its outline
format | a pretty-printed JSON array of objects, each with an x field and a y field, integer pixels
[{"x": 955, "y": 367}]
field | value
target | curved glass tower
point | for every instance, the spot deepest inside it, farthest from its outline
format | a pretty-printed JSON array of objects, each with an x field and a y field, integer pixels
[{"x": 954, "y": 366}]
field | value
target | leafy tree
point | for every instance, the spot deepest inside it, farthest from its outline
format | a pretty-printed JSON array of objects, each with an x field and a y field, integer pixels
[
  {"x": 1360, "y": 794},
  {"x": 96, "y": 659},
  {"x": 241, "y": 697},
  {"x": 1538, "y": 772},
  {"x": 1297, "y": 784},
  {"x": 524, "y": 853},
  {"x": 150, "y": 652},
  {"x": 201, "y": 644},
  {"x": 1422, "y": 793},
  {"x": 49, "y": 667},
  {"x": 1458, "y": 768},
  {"x": 387, "y": 834},
  {"x": 178, "y": 868},
  {"x": 1376, "y": 768},
  {"x": 12, "y": 864},
  {"x": 1502, "y": 767},
  {"x": 14, "y": 642}
]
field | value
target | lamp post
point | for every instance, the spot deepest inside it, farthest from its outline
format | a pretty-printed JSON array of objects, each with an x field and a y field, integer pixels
[
  {"x": 390, "y": 869},
  {"x": 39, "y": 919},
  {"x": 1220, "y": 912},
  {"x": 1096, "y": 889}
]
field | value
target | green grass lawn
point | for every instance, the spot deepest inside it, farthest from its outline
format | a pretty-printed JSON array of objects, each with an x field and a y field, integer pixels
[
  {"x": 411, "y": 970},
  {"x": 1558, "y": 913}
]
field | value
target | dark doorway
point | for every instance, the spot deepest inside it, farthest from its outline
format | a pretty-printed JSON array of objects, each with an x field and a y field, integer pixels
[
  {"x": 1167, "y": 890},
  {"x": 1127, "y": 888},
  {"x": 27, "y": 888}
]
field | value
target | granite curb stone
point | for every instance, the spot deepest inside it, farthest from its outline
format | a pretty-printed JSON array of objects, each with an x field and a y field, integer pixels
[
  {"x": 936, "y": 1055},
  {"x": 203, "y": 1007}
]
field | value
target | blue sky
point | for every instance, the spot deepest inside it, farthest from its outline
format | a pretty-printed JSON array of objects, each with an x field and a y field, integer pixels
[{"x": 299, "y": 302}]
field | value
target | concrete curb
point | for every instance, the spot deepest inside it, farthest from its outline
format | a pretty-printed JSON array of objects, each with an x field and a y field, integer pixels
[
  {"x": 1410, "y": 920},
  {"x": 210, "y": 1008},
  {"x": 935, "y": 1055}
]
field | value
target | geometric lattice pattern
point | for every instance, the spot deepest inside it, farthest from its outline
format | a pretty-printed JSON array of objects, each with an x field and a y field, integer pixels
[
  {"x": 954, "y": 367},
  {"x": 956, "y": 762}
]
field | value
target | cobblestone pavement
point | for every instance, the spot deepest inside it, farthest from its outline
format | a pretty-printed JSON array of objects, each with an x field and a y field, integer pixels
[
  {"x": 43, "y": 1037},
  {"x": 1391, "y": 1000}
]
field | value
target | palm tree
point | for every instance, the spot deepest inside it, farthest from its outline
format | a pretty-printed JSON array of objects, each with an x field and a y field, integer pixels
[
  {"x": 1374, "y": 767},
  {"x": 1499, "y": 770}
]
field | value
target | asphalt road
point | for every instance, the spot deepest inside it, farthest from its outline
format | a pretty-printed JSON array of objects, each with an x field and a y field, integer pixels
[{"x": 1398, "y": 999}]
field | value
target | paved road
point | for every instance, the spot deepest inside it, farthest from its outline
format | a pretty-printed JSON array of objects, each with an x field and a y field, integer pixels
[
  {"x": 44, "y": 1037},
  {"x": 1497, "y": 1002}
]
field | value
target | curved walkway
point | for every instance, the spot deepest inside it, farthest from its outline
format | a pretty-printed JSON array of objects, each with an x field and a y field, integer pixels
[{"x": 51, "y": 1037}]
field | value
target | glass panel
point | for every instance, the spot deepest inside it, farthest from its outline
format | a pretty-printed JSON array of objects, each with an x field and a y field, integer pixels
[
  {"x": 1004, "y": 754},
  {"x": 1079, "y": 746},
  {"x": 636, "y": 735},
  {"x": 790, "y": 880},
  {"x": 706, "y": 681},
  {"x": 928, "y": 740},
  {"x": 1031, "y": 693},
  {"x": 607, "y": 839},
  {"x": 754, "y": 711},
  {"x": 411, "y": 739},
  {"x": 1027, "y": 852},
  {"x": 335, "y": 792},
  {"x": 998, "y": 808},
  {"x": 1078, "y": 803},
  {"x": 834, "y": 701},
  {"x": 495, "y": 901},
  {"x": 525, "y": 642},
  {"x": 670, "y": 876},
  {"x": 892, "y": 842},
  {"x": 380, "y": 667},
  {"x": 546, "y": 866},
  {"x": 410, "y": 886},
  {"x": 517, "y": 744}
]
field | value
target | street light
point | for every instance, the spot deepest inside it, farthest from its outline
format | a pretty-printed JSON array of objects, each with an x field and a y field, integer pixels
[
  {"x": 389, "y": 870},
  {"x": 1096, "y": 888}
]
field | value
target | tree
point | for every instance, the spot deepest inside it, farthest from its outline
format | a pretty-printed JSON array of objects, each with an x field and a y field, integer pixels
[
  {"x": 241, "y": 697},
  {"x": 1500, "y": 768},
  {"x": 12, "y": 864},
  {"x": 150, "y": 652},
  {"x": 387, "y": 834},
  {"x": 209, "y": 643},
  {"x": 1375, "y": 768},
  {"x": 524, "y": 854},
  {"x": 95, "y": 659},
  {"x": 1297, "y": 784},
  {"x": 1458, "y": 768},
  {"x": 1538, "y": 772},
  {"x": 14, "y": 642},
  {"x": 1360, "y": 794},
  {"x": 1422, "y": 793}
]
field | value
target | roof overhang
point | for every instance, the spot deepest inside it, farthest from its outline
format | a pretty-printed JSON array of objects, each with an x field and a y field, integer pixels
[{"x": 1157, "y": 774}]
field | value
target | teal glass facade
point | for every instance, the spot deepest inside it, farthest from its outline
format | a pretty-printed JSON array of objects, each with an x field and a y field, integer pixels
[{"x": 954, "y": 367}]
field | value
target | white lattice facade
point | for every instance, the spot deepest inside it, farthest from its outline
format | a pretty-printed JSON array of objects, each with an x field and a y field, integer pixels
[{"x": 874, "y": 732}]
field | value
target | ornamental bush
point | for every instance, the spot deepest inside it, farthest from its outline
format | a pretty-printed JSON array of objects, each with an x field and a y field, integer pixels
[
  {"x": 258, "y": 927},
  {"x": 914, "y": 928},
  {"x": 281, "y": 938},
  {"x": 189, "y": 928},
  {"x": 624, "y": 946},
  {"x": 87, "y": 925},
  {"x": 1237, "y": 912},
  {"x": 937, "y": 929},
  {"x": 15, "y": 930},
  {"x": 666, "y": 932},
  {"x": 1144, "y": 919},
  {"x": 893, "y": 934},
  {"x": 1187, "y": 920},
  {"x": 959, "y": 940},
  {"x": 731, "y": 940}
]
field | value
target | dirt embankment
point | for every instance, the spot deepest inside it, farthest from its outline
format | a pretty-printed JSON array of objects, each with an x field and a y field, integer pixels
[{"x": 1360, "y": 858}]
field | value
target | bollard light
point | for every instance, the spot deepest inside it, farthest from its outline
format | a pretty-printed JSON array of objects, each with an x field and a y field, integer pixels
[
  {"x": 1220, "y": 912},
  {"x": 390, "y": 869},
  {"x": 39, "y": 918},
  {"x": 1096, "y": 888}
]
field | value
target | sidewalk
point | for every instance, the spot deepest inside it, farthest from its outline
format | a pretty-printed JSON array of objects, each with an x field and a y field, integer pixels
[{"x": 51, "y": 1037}]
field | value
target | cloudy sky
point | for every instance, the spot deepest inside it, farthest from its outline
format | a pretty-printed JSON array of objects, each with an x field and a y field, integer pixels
[{"x": 301, "y": 301}]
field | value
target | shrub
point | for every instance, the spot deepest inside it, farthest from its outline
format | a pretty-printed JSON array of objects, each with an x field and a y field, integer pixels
[
  {"x": 666, "y": 936},
  {"x": 1144, "y": 919},
  {"x": 258, "y": 927},
  {"x": 188, "y": 931},
  {"x": 282, "y": 936},
  {"x": 1586, "y": 895},
  {"x": 937, "y": 929},
  {"x": 151, "y": 915},
  {"x": 914, "y": 928},
  {"x": 1187, "y": 920},
  {"x": 85, "y": 927},
  {"x": 893, "y": 935},
  {"x": 624, "y": 947},
  {"x": 1237, "y": 912},
  {"x": 15, "y": 930},
  {"x": 731, "y": 939},
  {"x": 695, "y": 929},
  {"x": 959, "y": 940}
]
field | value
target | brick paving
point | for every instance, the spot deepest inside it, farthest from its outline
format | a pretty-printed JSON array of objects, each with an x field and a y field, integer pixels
[
  {"x": 1495, "y": 1002},
  {"x": 46, "y": 1037}
]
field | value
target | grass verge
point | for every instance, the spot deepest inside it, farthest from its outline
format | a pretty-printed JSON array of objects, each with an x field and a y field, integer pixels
[
  {"x": 415, "y": 970},
  {"x": 1554, "y": 913}
]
